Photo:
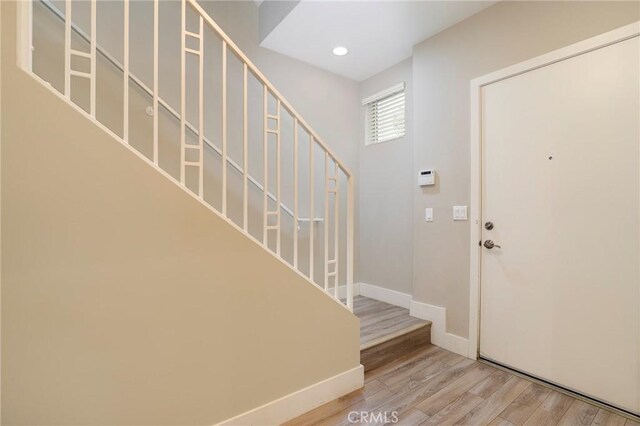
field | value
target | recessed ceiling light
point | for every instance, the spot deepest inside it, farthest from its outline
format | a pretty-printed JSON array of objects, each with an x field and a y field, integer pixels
[{"x": 340, "y": 51}]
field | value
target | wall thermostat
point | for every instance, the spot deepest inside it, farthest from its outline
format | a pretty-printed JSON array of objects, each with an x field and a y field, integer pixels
[{"x": 427, "y": 177}]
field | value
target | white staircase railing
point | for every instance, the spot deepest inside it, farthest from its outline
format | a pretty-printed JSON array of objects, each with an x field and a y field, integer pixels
[{"x": 337, "y": 226}]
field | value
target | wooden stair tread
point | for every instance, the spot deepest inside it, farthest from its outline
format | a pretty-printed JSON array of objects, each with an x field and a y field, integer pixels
[
  {"x": 388, "y": 332},
  {"x": 394, "y": 335}
]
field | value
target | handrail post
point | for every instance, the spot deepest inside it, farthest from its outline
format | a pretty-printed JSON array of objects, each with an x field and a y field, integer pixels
[
  {"x": 245, "y": 152},
  {"x": 278, "y": 175},
  {"x": 350, "y": 240},
  {"x": 125, "y": 76},
  {"x": 224, "y": 121},
  {"x": 312, "y": 214},
  {"x": 336, "y": 228},
  {"x": 67, "y": 48},
  {"x": 25, "y": 34},
  {"x": 94, "y": 38},
  {"x": 265, "y": 165},
  {"x": 295, "y": 193},
  {"x": 155, "y": 79},
  {"x": 326, "y": 222},
  {"x": 183, "y": 79}
]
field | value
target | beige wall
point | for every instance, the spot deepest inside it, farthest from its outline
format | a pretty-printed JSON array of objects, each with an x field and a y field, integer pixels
[
  {"x": 502, "y": 35},
  {"x": 124, "y": 300},
  {"x": 385, "y": 194}
]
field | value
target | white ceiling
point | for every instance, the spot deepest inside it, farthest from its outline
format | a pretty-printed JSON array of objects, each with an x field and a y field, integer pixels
[{"x": 378, "y": 34}]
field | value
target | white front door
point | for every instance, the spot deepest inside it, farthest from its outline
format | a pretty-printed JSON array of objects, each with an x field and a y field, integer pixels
[{"x": 560, "y": 297}]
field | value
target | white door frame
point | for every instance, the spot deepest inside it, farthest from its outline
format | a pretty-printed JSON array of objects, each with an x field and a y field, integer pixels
[{"x": 597, "y": 42}]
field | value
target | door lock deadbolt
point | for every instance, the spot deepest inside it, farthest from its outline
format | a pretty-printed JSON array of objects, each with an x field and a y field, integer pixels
[{"x": 488, "y": 226}]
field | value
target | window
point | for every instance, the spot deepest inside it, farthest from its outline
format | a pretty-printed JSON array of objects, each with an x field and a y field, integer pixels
[{"x": 384, "y": 117}]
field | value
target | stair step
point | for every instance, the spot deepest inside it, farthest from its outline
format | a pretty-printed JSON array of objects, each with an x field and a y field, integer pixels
[
  {"x": 388, "y": 348},
  {"x": 388, "y": 332}
]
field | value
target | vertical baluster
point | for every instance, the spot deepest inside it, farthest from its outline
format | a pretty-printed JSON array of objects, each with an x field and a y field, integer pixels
[
  {"x": 245, "y": 153},
  {"x": 182, "y": 90},
  {"x": 67, "y": 49},
  {"x": 295, "y": 193},
  {"x": 93, "y": 44},
  {"x": 125, "y": 71},
  {"x": 326, "y": 221},
  {"x": 155, "y": 80},
  {"x": 336, "y": 223},
  {"x": 311, "y": 208},
  {"x": 201, "y": 113},
  {"x": 350, "y": 237},
  {"x": 265, "y": 161},
  {"x": 224, "y": 128},
  {"x": 25, "y": 34},
  {"x": 278, "y": 185}
]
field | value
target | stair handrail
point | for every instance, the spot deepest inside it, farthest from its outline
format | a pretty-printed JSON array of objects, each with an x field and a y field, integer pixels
[
  {"x": 113, "y": 61},
  {"x": 25, "y": 16}
]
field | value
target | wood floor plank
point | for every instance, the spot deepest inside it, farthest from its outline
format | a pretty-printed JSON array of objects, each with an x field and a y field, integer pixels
[
  {"x": 414, "y": 380},
  {"x": 631, "y": 423},
  {"x": 365, "y": 405},
  {"x": 406, "y": 400},
  {"x": 453, "y": 391},
  {"x": 412, "y": 417},
  {"x": 542, "y": 417},
  {"x": 429, "y": 385},
  {"x": 453, "y": 412},
  {"x": 418, "y": 364},
  {"x": 488, "y": 386},
  {"x": 499, "y": 421},
  {"x": 337, "y": 405},
  {"x": 607, "y": 418},
  {"x": 489, "y": 409},
  {"x": 557, "y": 403},
  {"x": 524, "y": 405},
  {"x": 400, "y": 362},
  {"x": 551, "y": 410},
  {"x": 452, "y": 359},
  {"x": 579, "y": 414}
]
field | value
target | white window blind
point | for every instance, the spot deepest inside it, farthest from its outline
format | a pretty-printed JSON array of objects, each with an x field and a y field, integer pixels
[{"x": 384, "y": 117}]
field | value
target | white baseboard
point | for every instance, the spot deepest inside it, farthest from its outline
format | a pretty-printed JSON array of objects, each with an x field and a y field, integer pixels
[
  {"x": 385, "y": 295},
  {"x": 342, "y": 290},
  {"x": 439, "y": 335},
  {"x": 297, "y": 403}
]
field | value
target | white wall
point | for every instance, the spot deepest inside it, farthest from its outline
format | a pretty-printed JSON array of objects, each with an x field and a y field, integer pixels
[{"x": 385, "y": 194}]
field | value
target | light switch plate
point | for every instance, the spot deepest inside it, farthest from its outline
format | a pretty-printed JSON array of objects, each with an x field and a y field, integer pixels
[
  {"x": 428, "y": 214},
  {"x": 459, "y": 212}
]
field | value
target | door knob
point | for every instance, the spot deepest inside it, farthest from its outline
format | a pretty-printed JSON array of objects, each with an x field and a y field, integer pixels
[{"x": 490, "y": 244}]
